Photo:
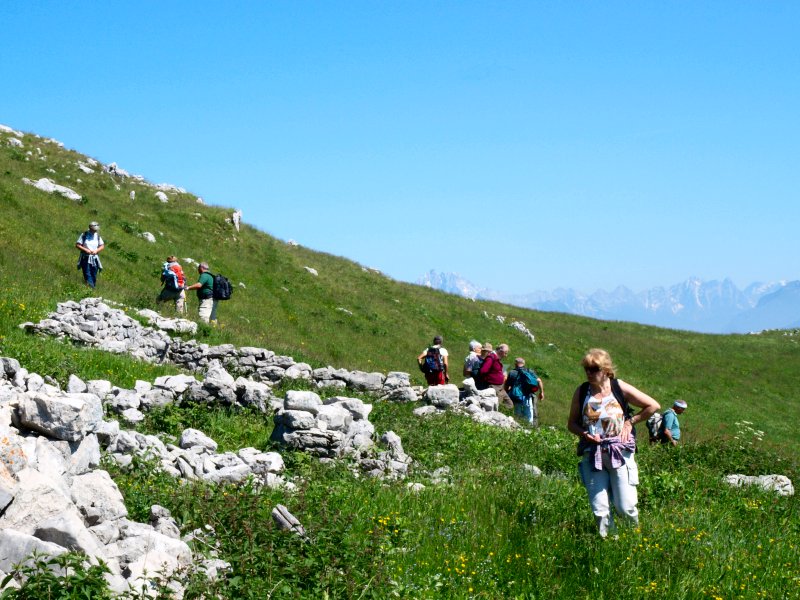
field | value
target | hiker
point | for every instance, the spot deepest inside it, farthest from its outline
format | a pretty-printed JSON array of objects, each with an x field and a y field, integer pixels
[
  {"x": 492, "y": 374},
  {"x": 90, "y": 244},
  {"x": 473, "y": 362},
  {"x": 525, "y": 389},
  {"x": 670, "y": 430},
  {"x": 434, "y": 363},
  {"x": 174, "y": 282},
  {"x": 600, "y": 417},
  {"x": 207, "y": 311}
]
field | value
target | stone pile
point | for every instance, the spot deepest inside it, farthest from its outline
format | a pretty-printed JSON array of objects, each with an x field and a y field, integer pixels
[
  {"x": 195, "y": 457},
  {"x": 338, "y": 427},
  {"x": 54, "y": 499},
  {"x": 94, "y": 323},
  {"x": 480, "y": 405}
]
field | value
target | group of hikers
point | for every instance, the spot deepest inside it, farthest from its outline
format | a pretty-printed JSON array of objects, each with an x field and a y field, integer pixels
[
  {"x": 520, "y": 388},
  {"x": 600, "y": 411},
  {"x": 210, "y": 288},
  {"x": 600, "y": 416}
]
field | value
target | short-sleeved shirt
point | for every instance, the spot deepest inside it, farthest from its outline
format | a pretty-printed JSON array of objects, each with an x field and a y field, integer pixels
[
  {"x": 90, "y": 240},
  {"x": 472, "y": 361},
  {"x": 442, "y": 351},
  {"x": 671, "y": 423},
  {"x": 206, "y": 289}
]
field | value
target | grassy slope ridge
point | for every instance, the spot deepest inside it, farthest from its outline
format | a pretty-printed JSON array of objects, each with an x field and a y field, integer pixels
[
  {"x": 284, "y": 308},
  {"x": 497, "y": 532}
]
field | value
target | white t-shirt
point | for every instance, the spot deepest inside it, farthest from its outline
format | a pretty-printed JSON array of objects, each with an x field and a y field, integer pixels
[
  {"x": 442, "y": 351},
  {"x": 90, "y": 240}
]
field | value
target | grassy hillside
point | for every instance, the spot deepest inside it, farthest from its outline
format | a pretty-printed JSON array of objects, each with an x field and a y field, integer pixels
[
  {"x": 285, "y": 308},
  {"x": 495, "y": 531}
]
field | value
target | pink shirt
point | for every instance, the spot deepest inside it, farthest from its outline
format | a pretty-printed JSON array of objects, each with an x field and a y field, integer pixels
[{"x": 492, "y": 370}]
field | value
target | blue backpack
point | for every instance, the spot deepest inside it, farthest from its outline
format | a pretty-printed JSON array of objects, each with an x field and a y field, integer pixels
[
  {"x": 169, "y": 277},
  {"x": 525, "y": 384}
]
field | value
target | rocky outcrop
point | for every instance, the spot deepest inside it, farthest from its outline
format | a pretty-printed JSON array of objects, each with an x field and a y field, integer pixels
[
  {"x": 49, "y": 186},
  {"x": 54, "y": 498}
]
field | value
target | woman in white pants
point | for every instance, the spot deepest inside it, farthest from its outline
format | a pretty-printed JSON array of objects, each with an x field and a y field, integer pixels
[{"x": 600, "y": 417}]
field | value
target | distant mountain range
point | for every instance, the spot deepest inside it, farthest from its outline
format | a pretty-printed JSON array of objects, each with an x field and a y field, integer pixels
[{"x": 694, "y": 305}]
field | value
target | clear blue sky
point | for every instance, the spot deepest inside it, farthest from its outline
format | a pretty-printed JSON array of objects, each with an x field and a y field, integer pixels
[{"x": 525, "y": 145}]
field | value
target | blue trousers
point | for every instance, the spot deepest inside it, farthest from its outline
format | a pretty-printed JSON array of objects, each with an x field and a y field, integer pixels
[
  {"x": 528, "y": 410},
  {"x": 89, "y": 272}
]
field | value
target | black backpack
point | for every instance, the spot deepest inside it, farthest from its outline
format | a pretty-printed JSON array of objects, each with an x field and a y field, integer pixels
[
  {"x": 619, "y": 395},
  {"x": 433, "y": 362},
  {"x": 222, "y": 289}
]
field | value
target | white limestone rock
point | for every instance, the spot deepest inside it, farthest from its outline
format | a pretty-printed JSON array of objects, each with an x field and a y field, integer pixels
[
  {"x": 780, "y": 484},
  {"x": 16, "y": 547},
  {"x": 443, "y": 396},
  {"x": 97, "y": 497},
  {"x": 191, "y": 438},
  {"x": 303, "y": 401},
  {"x": 65, "y": 417},
  {"x": 49, "y": 186}
]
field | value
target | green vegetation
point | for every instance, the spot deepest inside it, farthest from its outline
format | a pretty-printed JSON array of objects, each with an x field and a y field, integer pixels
[{"x": 496, "y": 531}]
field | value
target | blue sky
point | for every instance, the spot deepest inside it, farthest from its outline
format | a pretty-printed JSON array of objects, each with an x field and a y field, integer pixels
[{"x": 523, "y": 145}]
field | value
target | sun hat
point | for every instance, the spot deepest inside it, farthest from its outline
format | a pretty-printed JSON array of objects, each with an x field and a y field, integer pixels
[{"x": 94, "y": 224}]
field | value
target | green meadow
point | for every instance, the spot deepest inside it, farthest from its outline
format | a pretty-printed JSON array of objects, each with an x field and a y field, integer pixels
[{"x": 493, "y": 529}]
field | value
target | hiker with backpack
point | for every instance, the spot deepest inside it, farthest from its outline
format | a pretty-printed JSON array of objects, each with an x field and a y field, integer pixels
[
  {"x": 600, "y": 416},
  {"x": 473, "y": 361},
  {"x": 491, "y": 373},
  {"x": 434, "y": 364},
  {"x": 666, "y": 428},
  {"x": 90, "y": 244},
  {"x": 174, "y": 282},
  {"x": 525, "y": 389},
  {"x": 207, "y": 310}
]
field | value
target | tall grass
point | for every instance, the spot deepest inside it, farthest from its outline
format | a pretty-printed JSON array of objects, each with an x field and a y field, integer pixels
[{"x": 493, "y": 529}]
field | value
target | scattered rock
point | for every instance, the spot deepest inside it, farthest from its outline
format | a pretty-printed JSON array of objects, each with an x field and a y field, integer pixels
[
  {"x": 780, "y": 484},
  {"x": 49, "y": 186}
]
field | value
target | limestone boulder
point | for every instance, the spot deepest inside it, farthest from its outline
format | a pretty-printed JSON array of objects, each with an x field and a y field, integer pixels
[
  {"x": 64, "y": 417},
  {"x": 97, "y": 497},
  {"x": 443, "y": 396}
]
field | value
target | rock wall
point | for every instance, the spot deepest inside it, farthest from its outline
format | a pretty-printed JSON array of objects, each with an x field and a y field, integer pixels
[{"x": 94, "y": 323}]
